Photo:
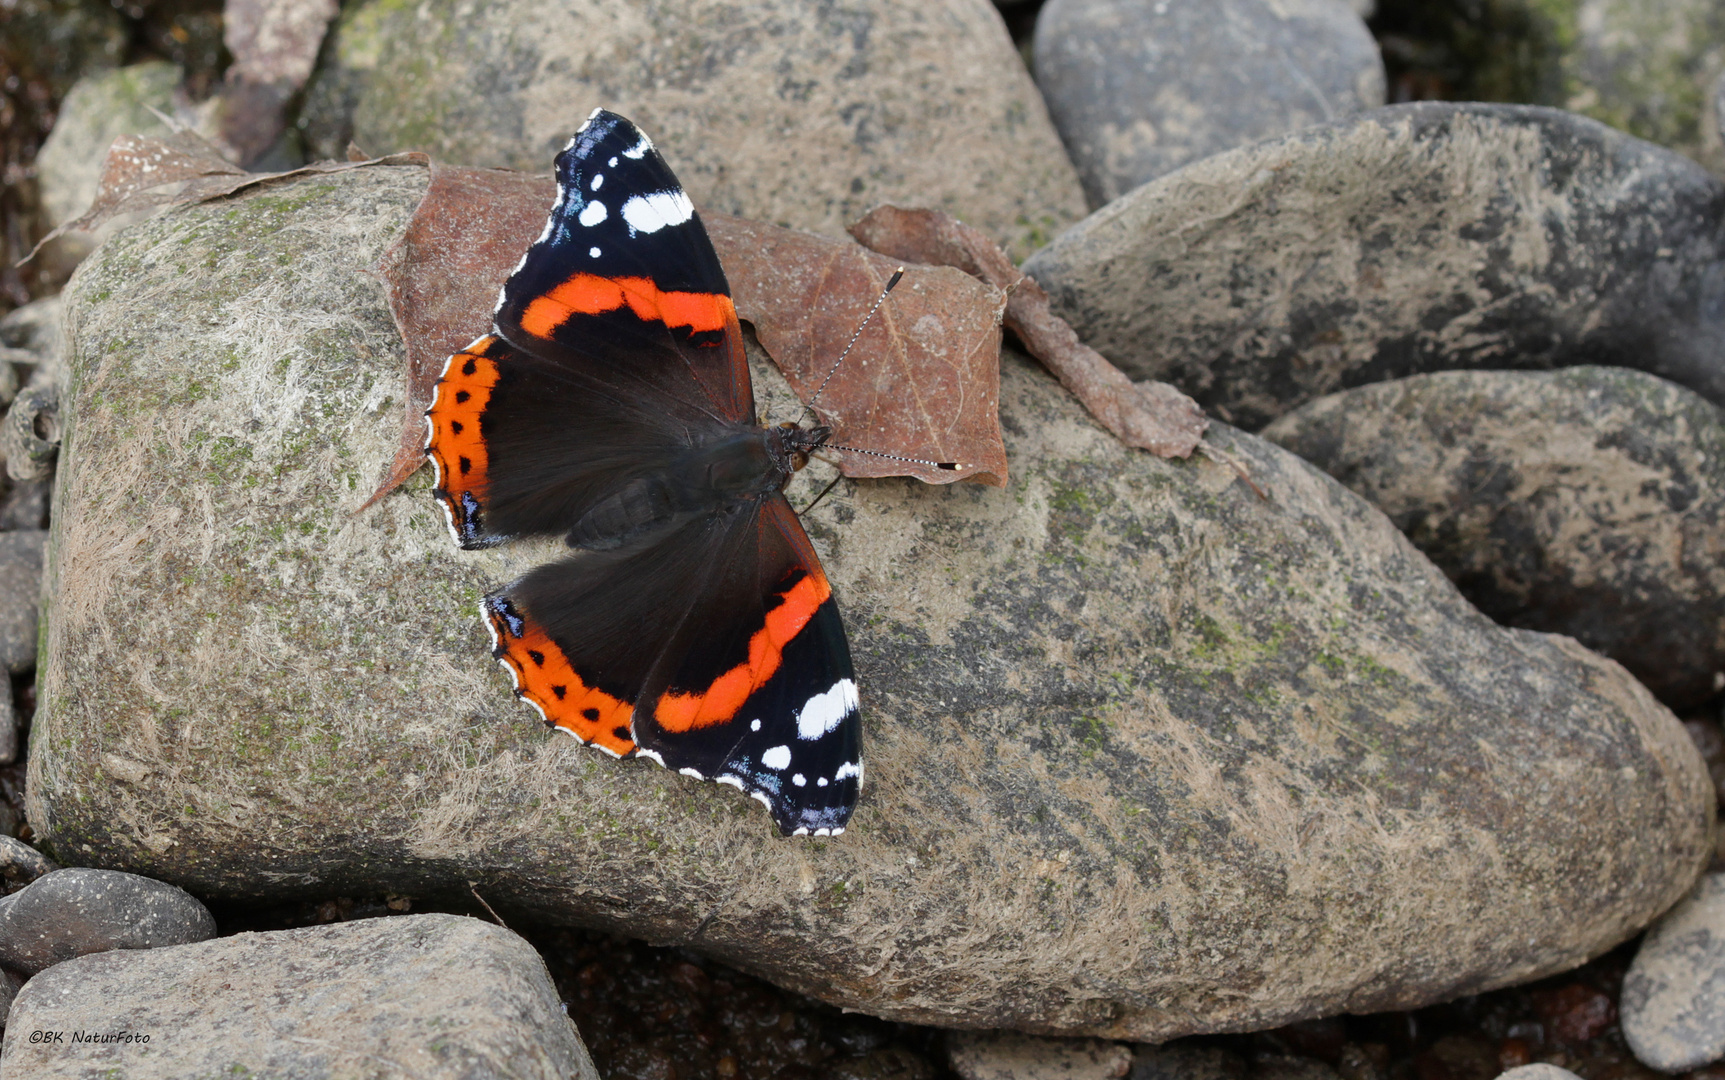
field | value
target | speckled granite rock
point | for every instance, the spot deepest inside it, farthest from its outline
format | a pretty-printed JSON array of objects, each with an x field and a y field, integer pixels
[
  {"x": 1137, "y": 90},
  {"x": 1414, "y": 238},
  {"x": 1137, "y": 740},
  {"x": 1587, "y": 502},
  {"x": 789, "y": 111},
  {"x": 1674, "y": 993},
  {"x": 424, "y": 997}
]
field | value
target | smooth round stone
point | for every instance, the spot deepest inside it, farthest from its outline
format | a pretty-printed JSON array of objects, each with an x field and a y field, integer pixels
[
  {"x": 1139, "y": 89},
  {"x": 421, "y": 997},
  {"x": 1414, "y": 238},
  {"x": 1673, "y": 1002},
  {"x": 795, "y": 112},
  {"x": 1588, "y": 501},
  {"x": 79, "y": 911}
]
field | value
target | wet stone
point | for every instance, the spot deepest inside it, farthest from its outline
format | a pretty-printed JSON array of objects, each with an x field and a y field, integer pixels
[
  {"x": 1674, "y": 995},
  {"x": 425, "y": 997},
  {"x": 1415, "y": 238},
  {"x": 1588, "y": 501},
  {"x": 78, "y": 911},
  {"x": 1538, "y": 1071},
  {"x": 1137, "y": 90}
]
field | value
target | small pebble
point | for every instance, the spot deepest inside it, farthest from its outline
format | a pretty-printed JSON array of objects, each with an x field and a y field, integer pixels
[
  {"x": 1009, "y": 1055},
  {"x": 1673, "y": 1000},
  {"x": 20, "y": 594},
  {"x": 75, "y": 912},
  {"x": 1539, "y": 1071},
  {"x": 21, "y": 863},
  {"x": 29, "y": 438}
]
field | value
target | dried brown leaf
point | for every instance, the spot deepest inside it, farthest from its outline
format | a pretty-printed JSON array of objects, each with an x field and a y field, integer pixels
[
  {"x": 937, "y": 342},
  {"x": 922, "y": 381},
  {"x": 143, "y": 173},
  {"x": 1150, "y": 415}
]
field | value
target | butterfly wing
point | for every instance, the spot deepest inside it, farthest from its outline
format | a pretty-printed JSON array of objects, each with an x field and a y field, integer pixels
[
  {"x": 614, "y": 348},
  {"x": 718, "y": 651}
]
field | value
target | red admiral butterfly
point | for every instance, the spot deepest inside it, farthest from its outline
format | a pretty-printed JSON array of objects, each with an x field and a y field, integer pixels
[{"x": 611, "y": 405}]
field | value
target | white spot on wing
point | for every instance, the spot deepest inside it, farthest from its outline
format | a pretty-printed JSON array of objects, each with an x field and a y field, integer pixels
[
  {"x": 754, "y": 725},
  {"x": 594, "y": 212},
  {"x": 800, "y": 780},
  {"x": 822, "y": 782},
  {"x": 598, "y": 181},
  {"x": 824, "y": 711},
  {"x": 639, "y": 150},
  {"x": 849, "y": 768},
  {"x": 612, "y": 163},
  {"x": 761, "y": 795},
  {"x": 696, "y": 773},
  {"x": 661, "y": 209},
  {"x": 777, "y": 757},
  {"x": 651, "y": 755},
  {"x": 731, "y": 780},
  {"x": 592, "y": 253}
]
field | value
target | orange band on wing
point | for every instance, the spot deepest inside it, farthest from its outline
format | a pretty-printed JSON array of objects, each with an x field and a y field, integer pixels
[
  {"x": 590, "y": 294},
  {"x": 457, "y": 403},
  {"x": 720, "y": 702},
  {"x": 544, "y": 676}
]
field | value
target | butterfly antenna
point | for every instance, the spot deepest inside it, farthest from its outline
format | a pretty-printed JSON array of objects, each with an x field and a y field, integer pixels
[
  {"x": 809, "y": 409},
  {"x": 949, "y": 466}
]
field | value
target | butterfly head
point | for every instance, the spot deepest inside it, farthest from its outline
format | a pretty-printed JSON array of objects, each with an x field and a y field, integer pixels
[{"x": 794, "y": 443}]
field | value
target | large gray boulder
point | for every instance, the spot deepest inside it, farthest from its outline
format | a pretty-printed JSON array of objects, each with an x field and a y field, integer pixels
[
  {"x": 790, "y": 111},
  {"x": 1588, "y": 501},
  {"x": 1413, "y": 238},
  {"x": 1147, "y": 754}
]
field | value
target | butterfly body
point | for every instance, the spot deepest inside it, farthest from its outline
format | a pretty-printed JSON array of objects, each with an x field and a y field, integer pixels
[{"x": 611, "y": 406}]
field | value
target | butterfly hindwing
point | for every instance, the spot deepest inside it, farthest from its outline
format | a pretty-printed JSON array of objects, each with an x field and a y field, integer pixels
[{"x": 762, "y": 695}]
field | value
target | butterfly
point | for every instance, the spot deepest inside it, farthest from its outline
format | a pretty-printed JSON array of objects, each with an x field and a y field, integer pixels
[{"x": 611, "y": 405}]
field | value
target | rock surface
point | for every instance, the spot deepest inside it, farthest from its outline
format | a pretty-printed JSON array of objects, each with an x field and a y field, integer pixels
[
  {"x": 1007, "y": 1055},
  {"x": 1647, "y": 69},
  {"x": 424, "y": 997},
  {"x": 78, "y": 911},
  {"x": 98, "y": 110},
  {"x": 1414, "y": 238},
  {"x": 789, "y": 111},
  {"x": 20, "y": 596},
  {"x": 1587, "y": 502},
  {"x": 1136, "y": 738},
  {"x": 1137, "y": 90},
  {"x": 1674, "y": 994}
]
